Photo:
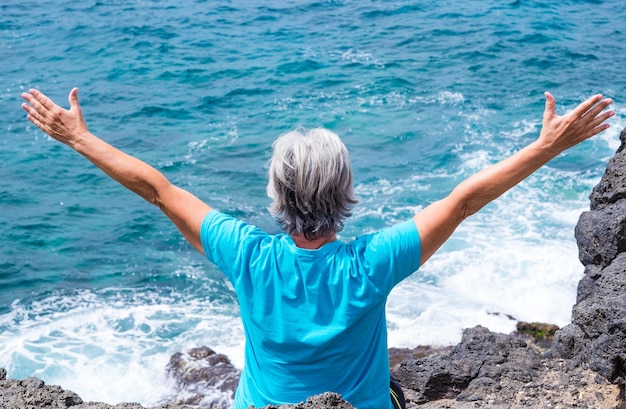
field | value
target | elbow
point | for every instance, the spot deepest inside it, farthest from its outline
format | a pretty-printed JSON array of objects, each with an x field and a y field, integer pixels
[
  {"x": 466, "y": 202},
  {"x": 157, "y": 199},
  {"x": 468, "y": 209},
  {"x": 153, "y": 196}
]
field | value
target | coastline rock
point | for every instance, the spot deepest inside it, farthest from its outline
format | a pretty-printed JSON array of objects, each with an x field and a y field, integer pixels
[
  {"x": 34, "y": 393},
  {"x": 491, "y": 370},
  {"x": 203, "y": 377},
  {"x": 476, "y": 367},
  {"x": 596, "y": 337}
]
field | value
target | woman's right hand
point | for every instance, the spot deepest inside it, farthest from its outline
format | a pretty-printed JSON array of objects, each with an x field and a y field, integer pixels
[{"x": 66, "y": 126}]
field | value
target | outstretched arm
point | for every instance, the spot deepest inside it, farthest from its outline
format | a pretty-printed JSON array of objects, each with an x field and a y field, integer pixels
[
  {"x": 439, "y": 220},
  {"x": 68, "y": 127}
]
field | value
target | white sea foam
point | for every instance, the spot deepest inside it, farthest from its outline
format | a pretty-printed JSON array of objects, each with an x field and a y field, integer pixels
[
  {"x": 360, "y": 57},
  {"x": 450, "y": 98},
  {"x": 516, "y": 258},
  {"x": 113, "y": 349}
]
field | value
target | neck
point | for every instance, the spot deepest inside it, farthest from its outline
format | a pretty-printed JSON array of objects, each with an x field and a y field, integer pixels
[{"x": 314, "y": 244}]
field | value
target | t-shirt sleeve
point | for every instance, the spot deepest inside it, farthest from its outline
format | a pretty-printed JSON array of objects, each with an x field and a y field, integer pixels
[
  {"x": 395, "y": 253},
  {"x": 226, "y": 242}
]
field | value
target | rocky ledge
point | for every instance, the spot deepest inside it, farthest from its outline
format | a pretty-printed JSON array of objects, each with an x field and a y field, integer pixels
[{"x": 582, "y": 365}]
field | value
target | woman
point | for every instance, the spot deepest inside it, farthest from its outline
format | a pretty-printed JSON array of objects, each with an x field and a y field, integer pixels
[{"x": 313, "y": 308}]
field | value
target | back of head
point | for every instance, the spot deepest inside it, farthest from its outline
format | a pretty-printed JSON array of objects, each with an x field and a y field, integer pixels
[{"x": 310, "y": 183}]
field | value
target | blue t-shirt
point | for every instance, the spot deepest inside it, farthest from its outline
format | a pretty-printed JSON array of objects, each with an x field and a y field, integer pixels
[{"x": 314, "y": 320}]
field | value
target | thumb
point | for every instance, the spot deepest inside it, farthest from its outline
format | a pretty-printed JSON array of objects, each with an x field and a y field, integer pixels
[
  {"x": 73, "y": 99},
  {"x": 550, "y": 110}
]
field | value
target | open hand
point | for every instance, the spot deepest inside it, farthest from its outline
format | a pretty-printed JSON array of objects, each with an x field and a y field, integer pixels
[
  {"x": 66, "y": 126},
  {"x": 588, "y": 119}
]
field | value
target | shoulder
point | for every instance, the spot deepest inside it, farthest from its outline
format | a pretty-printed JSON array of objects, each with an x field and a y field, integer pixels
[
  {"x": 400, "y": 234},
  {"x": 392, "y": 253},
  {"x": 216, "y": 222},
  {"x": 225, "y": 232}
]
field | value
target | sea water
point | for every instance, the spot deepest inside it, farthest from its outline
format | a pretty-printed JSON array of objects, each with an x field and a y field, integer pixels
[{"x": 98, "y": 289}]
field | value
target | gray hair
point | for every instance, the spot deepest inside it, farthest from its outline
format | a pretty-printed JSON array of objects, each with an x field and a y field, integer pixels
[{"x": 310, "y": 183}]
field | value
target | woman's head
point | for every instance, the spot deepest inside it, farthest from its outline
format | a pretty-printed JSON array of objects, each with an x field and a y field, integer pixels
[{"x": 310, "y": 183}]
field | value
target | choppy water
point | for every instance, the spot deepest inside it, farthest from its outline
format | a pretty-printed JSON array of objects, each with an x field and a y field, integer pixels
[{"x": 97, "y": 289}]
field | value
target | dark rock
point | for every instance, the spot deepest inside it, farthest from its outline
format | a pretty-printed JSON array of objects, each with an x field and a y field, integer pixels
[
  {"x": 203, "y": 377},
  {"x": 597, "y": 335},
  {"x": 601, "y": 234},
  {"x": 462, "y": 374},
  {"x": 569, "y": 342},
  {"x": 397, "y": 355},
  {"x": 612, "y": 186},
  {"x": 33, "y": 393},
  {"x": 322, "y": 401}
]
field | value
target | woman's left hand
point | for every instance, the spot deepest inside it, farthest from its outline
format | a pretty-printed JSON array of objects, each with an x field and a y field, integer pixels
[{"x": 559, "y": 133}]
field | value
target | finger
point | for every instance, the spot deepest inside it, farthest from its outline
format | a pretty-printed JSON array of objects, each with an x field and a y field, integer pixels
[
  {"x": 599, "y": 107},
  {"x": 586, "y": 105},
  {"x": 601, "y": 118},
  {"x": 42, "y": 99},
  {"x": 32, "y": 100},
  {"x": 550, "y": 109},
  {"x": 73, "y": 99},
  {"x": 33, "y": 114},
  {"x": 36, "y": 122},
  {"x": 597, "y": 130},
  {"x": 36, "y": 112},
  {"x": 29, "y": 109}
]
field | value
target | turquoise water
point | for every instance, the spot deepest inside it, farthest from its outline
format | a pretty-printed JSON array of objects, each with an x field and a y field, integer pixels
[{"x": 97, "y": 289}]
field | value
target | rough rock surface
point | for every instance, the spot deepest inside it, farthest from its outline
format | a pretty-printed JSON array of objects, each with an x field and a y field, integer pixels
[
  {"x": 583, "y": 367},
  {"x": 203, "y": 377},
  {"x": 596, "y": 337},
  {"x": 494, "y": 370}
]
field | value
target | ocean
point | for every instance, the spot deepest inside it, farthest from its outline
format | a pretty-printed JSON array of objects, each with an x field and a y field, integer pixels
[{"x": 98, "y": 289}]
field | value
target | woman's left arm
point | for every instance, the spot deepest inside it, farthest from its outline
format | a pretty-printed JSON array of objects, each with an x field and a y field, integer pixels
[{"x": 439, "y": 220}]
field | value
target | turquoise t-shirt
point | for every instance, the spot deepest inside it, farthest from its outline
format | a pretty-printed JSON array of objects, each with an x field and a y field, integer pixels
[{"x": 314, "y": 320}]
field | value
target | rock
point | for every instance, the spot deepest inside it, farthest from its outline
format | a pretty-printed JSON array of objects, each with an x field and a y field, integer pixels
[
  {"x": 397, "y": 355},
  {"x": 474, "y": 368},
  {"x": 601, "y": 234},
  {"x": 596, "y": 336},
  {"x": 322, "y": 401},
  {"x": 540, "y": 335},
  {"x": 33, "y": 393},
  {"x": 612, "y": 186},
  {"x": 203, "y": 377}
]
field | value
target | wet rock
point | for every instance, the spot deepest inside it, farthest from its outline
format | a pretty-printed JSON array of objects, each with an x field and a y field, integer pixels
[{"x": 203, "y": 377}]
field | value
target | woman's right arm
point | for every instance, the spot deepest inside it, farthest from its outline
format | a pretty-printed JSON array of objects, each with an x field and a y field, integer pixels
[
  {"x": 439, "y": 220},
  {"x": 68, "y": 127}
]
